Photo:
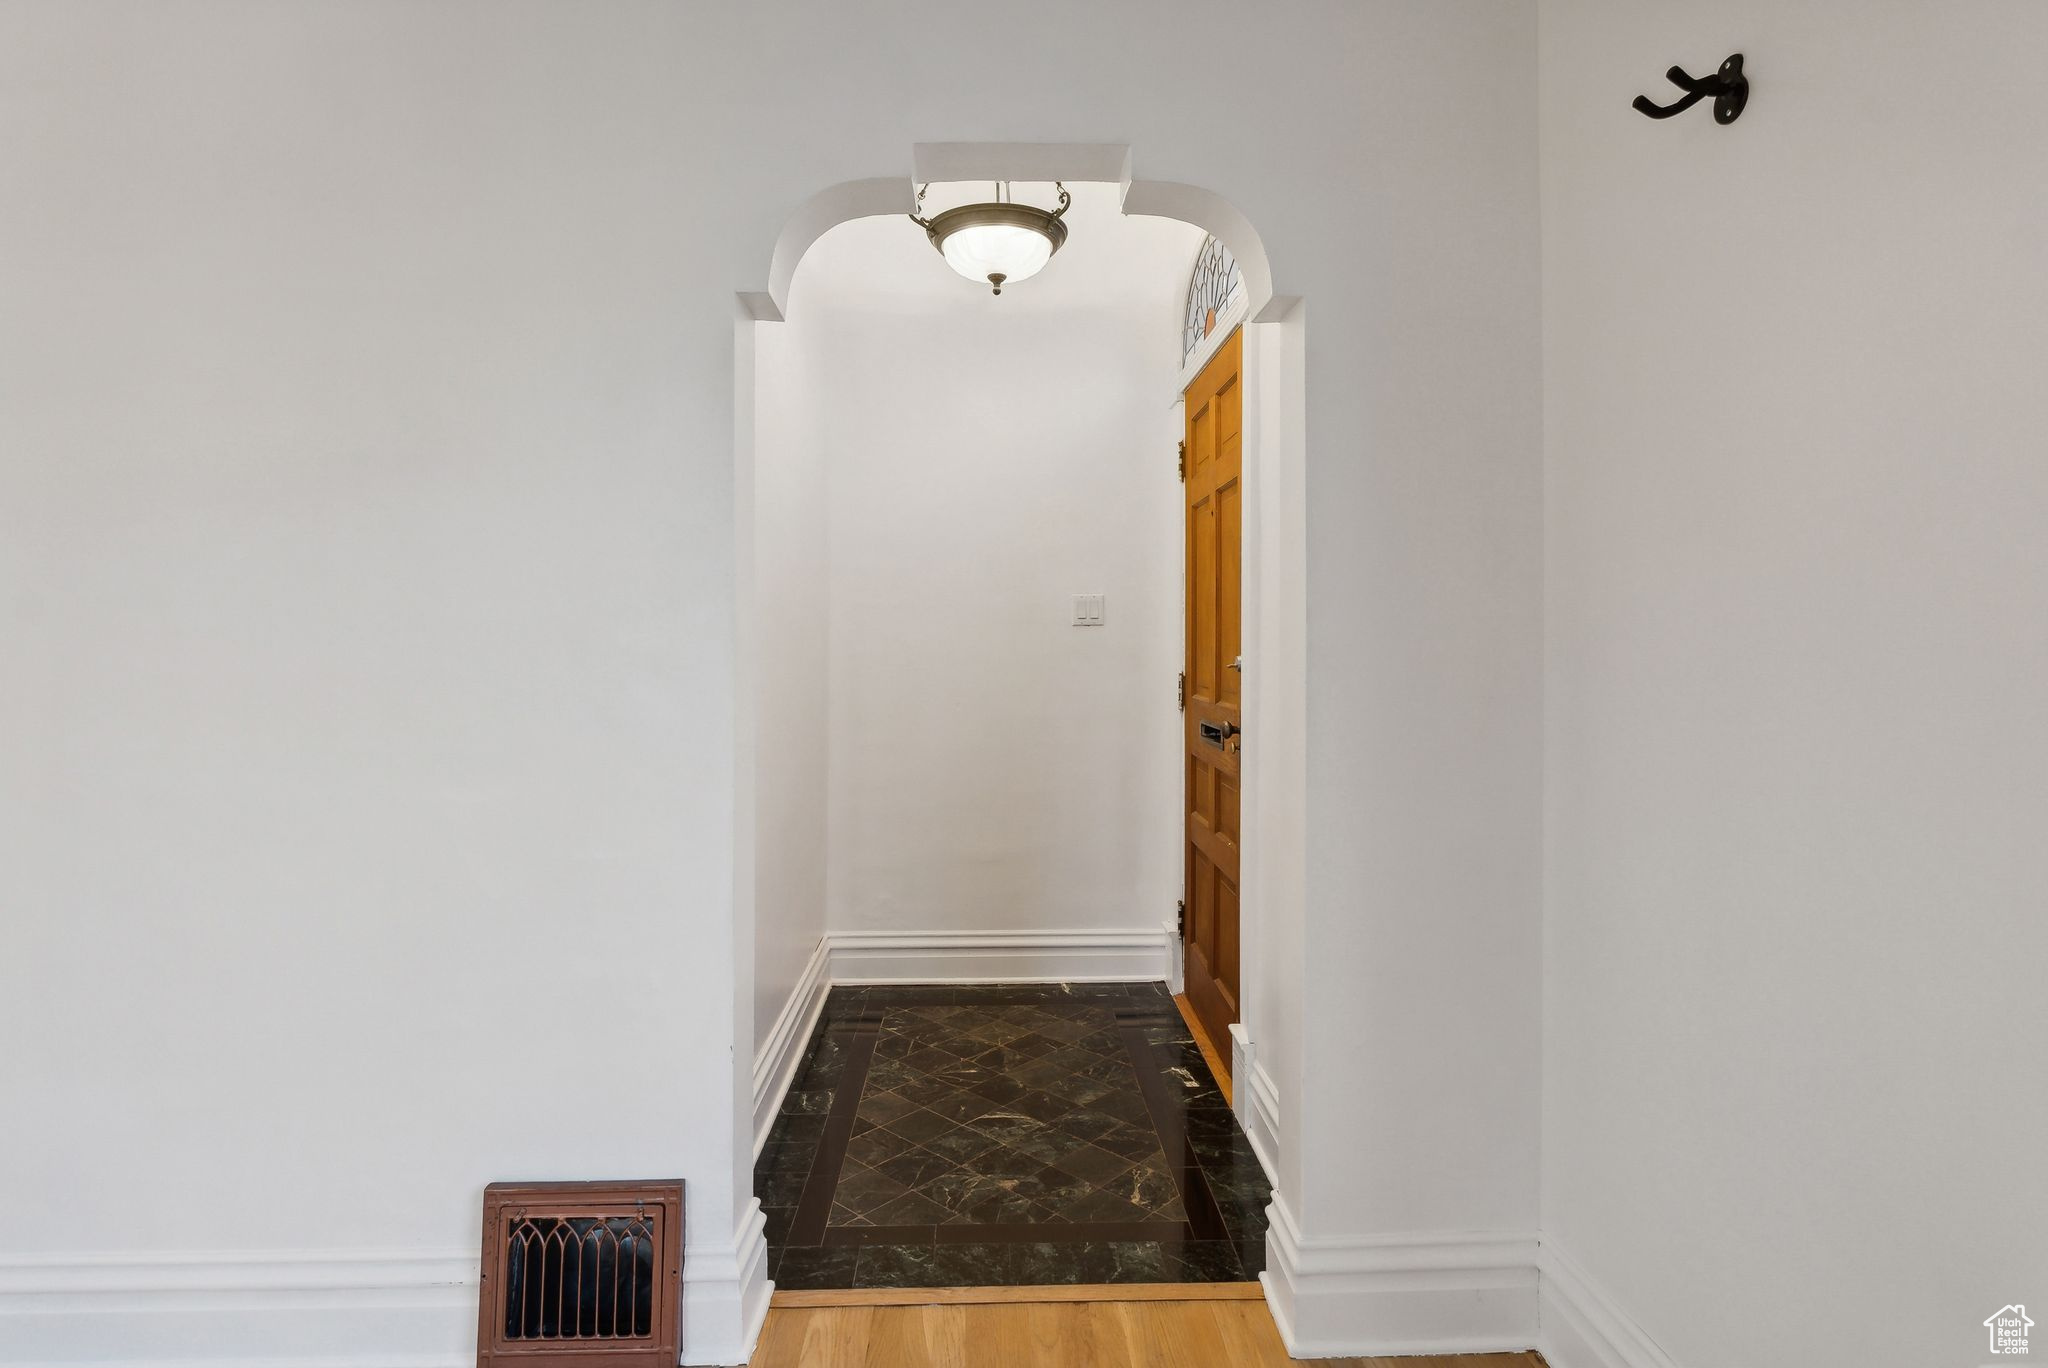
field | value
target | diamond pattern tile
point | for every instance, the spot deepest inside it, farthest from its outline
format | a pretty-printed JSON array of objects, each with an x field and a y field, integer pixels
[
  {"x": 945, "y": 1136},
  {"x": 966, "y": 1109}
]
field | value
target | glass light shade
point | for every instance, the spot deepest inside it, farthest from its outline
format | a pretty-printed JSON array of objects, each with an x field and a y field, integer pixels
[
  {"x": 993, "y": 249},
  {"x": 997, "y": 243}
]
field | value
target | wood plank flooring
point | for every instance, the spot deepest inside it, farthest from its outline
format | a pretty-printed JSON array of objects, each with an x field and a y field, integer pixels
[{"x": 1083, "y": 1334}]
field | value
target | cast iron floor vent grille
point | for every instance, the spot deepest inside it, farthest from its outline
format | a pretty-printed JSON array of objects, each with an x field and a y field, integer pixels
[
  {"x": 579, "y": 1278},
  {"x": 584, "y": 1274}
]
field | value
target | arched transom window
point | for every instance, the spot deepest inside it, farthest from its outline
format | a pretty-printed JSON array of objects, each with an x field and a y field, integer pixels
[{"x": 1210, "y": 288}]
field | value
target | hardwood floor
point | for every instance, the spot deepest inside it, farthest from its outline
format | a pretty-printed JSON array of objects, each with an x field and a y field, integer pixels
[{"x": 1211, "y": 1333}]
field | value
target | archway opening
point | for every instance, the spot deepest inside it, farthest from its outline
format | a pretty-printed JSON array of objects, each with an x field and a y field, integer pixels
[{"x": 950, "y": 776}]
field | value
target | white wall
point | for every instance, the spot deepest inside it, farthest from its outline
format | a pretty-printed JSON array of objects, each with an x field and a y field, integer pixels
[
  {"x": 369, "y": 564},
  {"x": 786, "y": 619},
  {"x": 1798, "y": 765},
  {"x": 365, "y": 741},
  {"x": 1275, "y": 965},
  {"x": 1423, "y": 843},
  {"x": 992, "y": 766}
]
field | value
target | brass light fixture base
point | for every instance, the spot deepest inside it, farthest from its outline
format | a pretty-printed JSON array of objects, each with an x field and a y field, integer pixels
[{"x": 1047, "y": 223}]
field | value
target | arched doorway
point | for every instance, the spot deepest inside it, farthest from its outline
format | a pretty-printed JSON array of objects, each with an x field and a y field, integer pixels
[{"x": 1271, "y": 593}]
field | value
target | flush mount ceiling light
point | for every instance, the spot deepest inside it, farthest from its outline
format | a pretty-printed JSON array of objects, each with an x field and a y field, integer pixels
[{"x": 1001, "y": 241}]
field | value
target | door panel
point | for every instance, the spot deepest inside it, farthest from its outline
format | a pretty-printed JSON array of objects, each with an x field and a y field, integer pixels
[{"x": 1215, "y": 523}]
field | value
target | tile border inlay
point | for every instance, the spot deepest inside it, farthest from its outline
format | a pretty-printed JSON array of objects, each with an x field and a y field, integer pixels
[
  {"x": 814, "y": 1208},
  {"x": 1204, "y": 1220},
  {"x": 822, "y": 1239}
]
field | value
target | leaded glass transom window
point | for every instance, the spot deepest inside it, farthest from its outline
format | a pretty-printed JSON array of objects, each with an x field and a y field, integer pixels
[{"x": 1214, "y": 281}]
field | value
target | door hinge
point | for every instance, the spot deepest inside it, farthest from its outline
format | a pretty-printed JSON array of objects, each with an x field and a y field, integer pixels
[
  {"x": 1180, "y": 918},
  {"x": 1183, "y": 462},
  {"x": 1180, "y": 692}
]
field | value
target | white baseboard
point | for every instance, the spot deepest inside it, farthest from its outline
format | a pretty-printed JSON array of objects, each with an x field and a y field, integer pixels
[
  {"x": 1256, "y": 1101},
  {"x": 1450, "y": 1293},
  {"x": 319, "y": 1309},
  {"x": 1176, "y": 960},
  {"x": 1583, "y": 1327},
  {"x": 777, "y": 1058},
  {"x": 280, "y": 1309},
  {"x": 1134, "y": 954},
  {"x": 725, "y": 1293}
]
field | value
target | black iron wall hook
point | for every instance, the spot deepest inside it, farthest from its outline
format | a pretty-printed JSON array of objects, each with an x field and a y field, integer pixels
[{"x": 1728, "y": 86}]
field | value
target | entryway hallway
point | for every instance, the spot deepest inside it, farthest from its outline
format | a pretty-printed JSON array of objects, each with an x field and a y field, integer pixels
[{"x": 959, "y": 1136}]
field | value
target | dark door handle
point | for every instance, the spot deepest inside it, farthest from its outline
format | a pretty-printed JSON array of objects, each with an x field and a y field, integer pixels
[{"x": 1216, "y": 733}]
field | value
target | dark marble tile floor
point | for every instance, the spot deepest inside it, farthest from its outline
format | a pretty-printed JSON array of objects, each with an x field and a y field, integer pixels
[{"x": 946, "y": 1136}]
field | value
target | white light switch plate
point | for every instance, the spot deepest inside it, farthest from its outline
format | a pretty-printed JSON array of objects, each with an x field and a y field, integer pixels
[{"x": 1088, "y": 610}]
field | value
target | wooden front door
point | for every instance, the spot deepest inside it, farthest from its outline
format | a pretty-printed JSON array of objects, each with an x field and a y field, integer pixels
[{"x": 1213, "y": 468}]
